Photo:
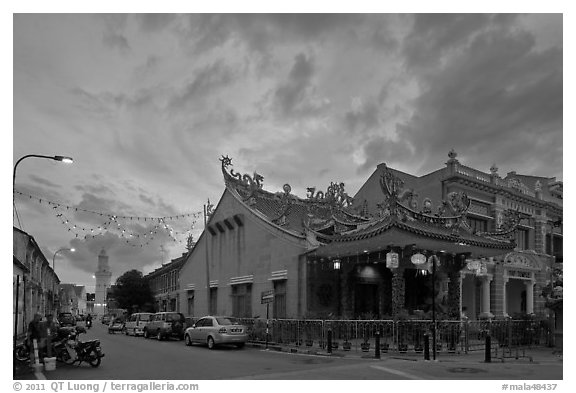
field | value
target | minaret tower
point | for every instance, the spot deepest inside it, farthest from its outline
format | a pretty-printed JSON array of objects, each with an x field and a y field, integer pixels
[{"x": 103, "y": 276}]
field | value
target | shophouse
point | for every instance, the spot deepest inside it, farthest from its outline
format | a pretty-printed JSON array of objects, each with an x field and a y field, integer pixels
[
  {"x": 35, "y": 284},
  {"x": 165, "y": 285}
]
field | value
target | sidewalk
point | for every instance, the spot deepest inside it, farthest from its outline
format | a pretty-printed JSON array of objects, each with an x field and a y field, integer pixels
[{"x": 527, "y": 355}]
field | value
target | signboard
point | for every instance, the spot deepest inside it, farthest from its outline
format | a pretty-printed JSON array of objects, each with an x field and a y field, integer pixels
[{"x": 267, "y": 297}]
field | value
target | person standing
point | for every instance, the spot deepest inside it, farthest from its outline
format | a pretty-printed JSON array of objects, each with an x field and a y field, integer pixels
[{"x": 35, "y": 334}]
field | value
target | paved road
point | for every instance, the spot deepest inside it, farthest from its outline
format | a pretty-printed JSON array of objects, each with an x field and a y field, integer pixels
[{"x": 135, "y": 358}]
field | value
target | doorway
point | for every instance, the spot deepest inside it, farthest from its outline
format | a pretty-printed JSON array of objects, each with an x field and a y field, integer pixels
[{"x": 366, "y": 300}]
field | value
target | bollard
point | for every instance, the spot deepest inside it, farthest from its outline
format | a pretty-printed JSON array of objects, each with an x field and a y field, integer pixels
[
  {"x": 426, "y": 346},
  {"x": 329, "y": 340},
  {"x": 488, "y": 349},
  {"x": 377, "y": 335}
]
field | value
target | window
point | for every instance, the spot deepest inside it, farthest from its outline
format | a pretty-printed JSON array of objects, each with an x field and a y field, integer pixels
[
  {"x": 190, "y": 308},
  {"x": 522, "y": 239},
  {"x": 478, "y": 225},
  {"x": 213, "y": 301},
  {"x": 279, "y": 310},
  {"x": 242, "y": 300}
]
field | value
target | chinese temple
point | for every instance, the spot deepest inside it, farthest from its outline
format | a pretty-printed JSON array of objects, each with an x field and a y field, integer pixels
[{"x": 331, "y": 255}]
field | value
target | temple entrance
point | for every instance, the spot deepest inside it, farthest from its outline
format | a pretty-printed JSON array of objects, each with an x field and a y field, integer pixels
[
  {"x": 418, "y": 291},
  {"x": 366, "y": 301}
]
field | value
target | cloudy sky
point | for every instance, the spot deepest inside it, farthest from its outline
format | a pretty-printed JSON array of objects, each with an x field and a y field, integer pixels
[{"x": 146, "y": 104}]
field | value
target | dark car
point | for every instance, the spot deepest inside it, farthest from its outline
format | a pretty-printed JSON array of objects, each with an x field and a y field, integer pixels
[
  {"x": 166, "y": 325},
  {"x": 116, "y": 325},
  {"x": 106, "y": 319},
  {"x": 66, "y": 319}
]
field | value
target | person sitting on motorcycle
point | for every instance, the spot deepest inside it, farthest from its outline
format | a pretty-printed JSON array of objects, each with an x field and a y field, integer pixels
[{"x": 88, "y": 320}]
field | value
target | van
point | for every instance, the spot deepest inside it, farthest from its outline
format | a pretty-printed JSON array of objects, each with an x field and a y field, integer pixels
[
  {"x": 137, "y": 322},
  {"x": 166, "y": 325}
]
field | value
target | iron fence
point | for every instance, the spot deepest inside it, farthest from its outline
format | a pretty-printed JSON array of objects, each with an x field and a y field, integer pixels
[{"x": 401, "y": 335}]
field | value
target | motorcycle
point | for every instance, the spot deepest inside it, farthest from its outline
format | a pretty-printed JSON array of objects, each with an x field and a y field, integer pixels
[
  {"x": 88, "y": 323},
  {"x": 67, "y": 348},
  {"x": 77, "y": 351},
  {"x": 22, "y": 350}
]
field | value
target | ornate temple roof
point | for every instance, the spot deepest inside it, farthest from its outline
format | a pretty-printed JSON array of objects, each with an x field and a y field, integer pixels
[{"x": 338, "y": 228}]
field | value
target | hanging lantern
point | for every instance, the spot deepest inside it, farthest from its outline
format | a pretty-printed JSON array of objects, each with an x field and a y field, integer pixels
[
  {"x": 392, "y": 260},
  {"x": 418, "y": 259},
  {"x": 336, "y": 264}
]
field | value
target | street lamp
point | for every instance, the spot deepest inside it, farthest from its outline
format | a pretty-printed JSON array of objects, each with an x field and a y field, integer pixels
[
  {"x": 62, "y": 249},
  {"x": 64, "y": 159}
]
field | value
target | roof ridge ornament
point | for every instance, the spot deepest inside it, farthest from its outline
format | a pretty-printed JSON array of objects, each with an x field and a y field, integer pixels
[
  {"x": 248, "y": 185},
  {"x": 509, "y": 223},
  {"x": 335, "y": 195}
]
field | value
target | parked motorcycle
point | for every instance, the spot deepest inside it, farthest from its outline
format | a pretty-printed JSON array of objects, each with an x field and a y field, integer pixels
[
  {"x": 22, "y": 350},
  {"x": 77, "y": 351},
  {"x": 67, "y": 348}
]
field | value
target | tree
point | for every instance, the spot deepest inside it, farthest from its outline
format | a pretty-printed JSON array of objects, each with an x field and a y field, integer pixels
[{"x": 132, "y": 291}]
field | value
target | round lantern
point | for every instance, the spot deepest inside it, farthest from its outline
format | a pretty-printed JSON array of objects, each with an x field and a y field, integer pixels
[{"x": 418, "y": 259}]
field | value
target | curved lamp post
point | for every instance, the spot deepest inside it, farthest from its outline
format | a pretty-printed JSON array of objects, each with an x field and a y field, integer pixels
[
  {"x": 62, "y": 249},
  {"x": 64, "y": 159}
]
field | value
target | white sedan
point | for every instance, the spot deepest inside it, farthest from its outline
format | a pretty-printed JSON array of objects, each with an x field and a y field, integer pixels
[{"x": 213, "y": 330}]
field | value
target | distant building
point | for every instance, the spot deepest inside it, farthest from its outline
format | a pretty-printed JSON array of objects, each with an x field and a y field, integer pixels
[
  {"x": 90, "y": 297},
  {"x": 103, "y": 277},
  {"x": 164, "y": 283},
  {"x": 73, "y": 299}
]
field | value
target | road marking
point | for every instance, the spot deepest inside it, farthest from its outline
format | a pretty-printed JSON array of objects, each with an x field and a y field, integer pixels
[
  {"x": 396, "y": 372},
  {"x": 39, "y": 375}
]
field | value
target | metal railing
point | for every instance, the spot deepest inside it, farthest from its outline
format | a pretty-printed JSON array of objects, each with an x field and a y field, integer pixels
[{"x": 401, "y": 335}]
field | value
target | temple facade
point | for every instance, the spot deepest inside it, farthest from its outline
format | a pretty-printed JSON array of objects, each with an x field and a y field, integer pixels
[{"x": 455, "y": 241}]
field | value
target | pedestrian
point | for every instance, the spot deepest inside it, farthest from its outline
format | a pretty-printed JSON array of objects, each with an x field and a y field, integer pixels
[{"x": 35, "y": 333}]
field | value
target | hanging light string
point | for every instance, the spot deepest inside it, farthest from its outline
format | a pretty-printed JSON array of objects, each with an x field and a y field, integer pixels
[
  {"x": 109, "y": 215},
  {"x": 132, "y": 238},
  {"x": 112, "y": 224}
]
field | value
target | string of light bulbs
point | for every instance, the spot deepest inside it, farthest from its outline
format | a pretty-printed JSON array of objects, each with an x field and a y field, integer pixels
[
  {"x": 110, "y": 215},
  {"x": 132, "y": 238}
]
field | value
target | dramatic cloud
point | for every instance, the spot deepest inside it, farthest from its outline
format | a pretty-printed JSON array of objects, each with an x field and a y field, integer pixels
[{"x": 146, "y": 104}]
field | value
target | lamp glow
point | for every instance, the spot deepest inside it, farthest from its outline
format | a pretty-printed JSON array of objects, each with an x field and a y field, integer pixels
[
  {"x": 418, "y": 259},
  {"x": 64, "y": 159}
]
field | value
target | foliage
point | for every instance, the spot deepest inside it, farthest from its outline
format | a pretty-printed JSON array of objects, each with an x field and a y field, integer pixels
[
  {"x": 554, "y": 290},
  {"x": 132, "y": 291}
]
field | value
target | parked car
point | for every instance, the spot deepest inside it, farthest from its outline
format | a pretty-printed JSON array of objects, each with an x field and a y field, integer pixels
[
  {"x": 165, "y": 325},
  {"x": 66, "y": 319},
  {"x": 116, "y": 325},
  {"x": 106, "y": 319},
  {"x": 136, "y": 323},
  {"x": 215, "y": 330}
]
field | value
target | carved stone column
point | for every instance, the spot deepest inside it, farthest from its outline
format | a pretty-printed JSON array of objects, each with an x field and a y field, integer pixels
[
  {"x": 398, "y": 291},
  {"x": 454, "y": 294},
  {"x": 347, "y": 293}
]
